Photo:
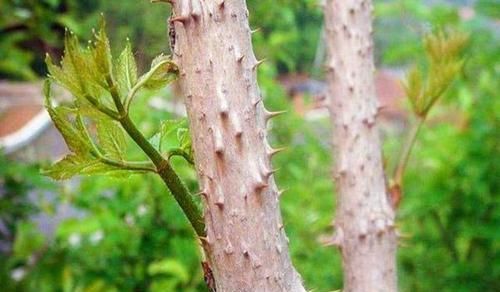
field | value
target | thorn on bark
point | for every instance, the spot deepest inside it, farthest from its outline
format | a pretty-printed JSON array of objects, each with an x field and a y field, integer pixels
[
  {"x": 244, "y": 250},
  {"x": 380, "y": 226},
  {"x": 270, "y": 172},
  {"x": 220, "y": 203},
  {"x": 255, "y": 30},
  {"x": 369, "y": 122},
  {"x": 195, "y": 9},
  {"x": 203, "y": 193},
  {"x": 257, "y": 64},
  {"x": 229, "y": 248},
  {"x": 363, "y": 229},
  {"x": 280, "y": 192},
  {"x": 269, "y": 114},
  {"x": 271, "y": 152},
  {"x": 278, "y": 248},
  {"x": 219, "y": 144},
  {"x": 181, "y": 19},
  {"x": 237, "y": 127},
  {"x": 260, "y": 185},
  {"x": 257, "y": 101},
  {"x": 240, "y": 58},
  {"x": 256, "y": 263},
  {"x": 205, "y": 241}
]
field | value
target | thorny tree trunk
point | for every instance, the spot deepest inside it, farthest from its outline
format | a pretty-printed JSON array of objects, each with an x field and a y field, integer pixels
[
  {"x": 364, "y": 226},
  {"x": 246, "y": 246}
]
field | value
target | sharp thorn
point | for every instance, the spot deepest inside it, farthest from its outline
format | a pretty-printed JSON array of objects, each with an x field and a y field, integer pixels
[
  {"x": 255, "y": 30},
  {"x": 273, "y": 152},
  {"x": 270, "y": 115},
  {"x": 258, "y": 64}
]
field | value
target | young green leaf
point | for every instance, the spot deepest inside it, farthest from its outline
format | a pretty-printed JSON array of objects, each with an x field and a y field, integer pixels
[
  {"x": 60, "y": 117},
  {"x": 184, "y": 139},
  {"x": 111, "y": 139},
  {"x": 126, "y": 70},
  {"x": 443, "y": 55},
  {"x": 162, "y": 72},
  {"x": 102, "y": 51},
  {"x": 72, "y": 165}
]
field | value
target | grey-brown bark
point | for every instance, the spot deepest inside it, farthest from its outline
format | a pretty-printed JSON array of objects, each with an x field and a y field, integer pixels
[
  {"x": 245, "y": 244},
  {"x": 364, "y": 225}
]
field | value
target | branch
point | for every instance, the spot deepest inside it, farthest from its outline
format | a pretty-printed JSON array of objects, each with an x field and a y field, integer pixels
[
  {"x": 163, "y": 167},
  {"x": 404, "y": 156},
  {"x": 110, "y": 113}
]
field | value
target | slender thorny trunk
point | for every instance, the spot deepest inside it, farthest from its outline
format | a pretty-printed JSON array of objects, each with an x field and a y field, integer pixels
[
  {"x": 246, "y": 245},
  {"x": 364, "y": 226}
]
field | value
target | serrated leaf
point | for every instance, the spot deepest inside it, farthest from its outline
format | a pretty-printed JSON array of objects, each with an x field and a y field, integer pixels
[
  {"x": 72, "y": 165},
  {"x": 102, "y": 50},
  {"x": 184, "y": 139},
  {"x": 111, "y": 139},
  {"x": 444, "y": 63},
  {"x": 167, "y": 128},
  {"x": 126, "y": 69},
  {"x": 162, "y": 72},
  {"x": 65, "y": 79},
  {"x": 84, "y": 71},
  {"x": 74, "y": 138},
  {"x": 67, "y": 167}
]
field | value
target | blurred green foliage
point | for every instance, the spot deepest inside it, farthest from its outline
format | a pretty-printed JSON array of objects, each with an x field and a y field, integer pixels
[
  {"x": 133, "y": 236},
  {"x": 287, "y": 36},
  {"x": 29, "y": 28},
  {"x": 20, "y": 187}
]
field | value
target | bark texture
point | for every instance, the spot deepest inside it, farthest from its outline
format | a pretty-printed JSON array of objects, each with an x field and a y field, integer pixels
[
  {"x": 245, "y": 244},
  {"x": 364, "y": 226}
]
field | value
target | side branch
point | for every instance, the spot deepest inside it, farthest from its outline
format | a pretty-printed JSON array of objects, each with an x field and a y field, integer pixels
[{"x": 163, "y": 167}]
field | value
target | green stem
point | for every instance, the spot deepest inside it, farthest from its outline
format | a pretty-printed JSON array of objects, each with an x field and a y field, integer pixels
[
  {"x": 180, "y": 152},
  {"x": 128, "y": 165},
  {"x": 115, "y": 95},
  {"x": 110, "y": 113},
  {"x": 406, "y": 151},
  {"x": 169, "y": 177},
  {"x": 163, "y": 167}
]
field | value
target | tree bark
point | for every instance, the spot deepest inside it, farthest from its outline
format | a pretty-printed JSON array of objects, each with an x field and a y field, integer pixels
[
  {"x": 245, "y": 243},
  {"x": 364, "y": 225}
]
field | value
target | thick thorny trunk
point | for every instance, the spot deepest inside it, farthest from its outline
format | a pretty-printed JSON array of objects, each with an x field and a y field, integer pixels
[
  {"x": 246, "y": 246},
  {"x": 364, "y": 226}
]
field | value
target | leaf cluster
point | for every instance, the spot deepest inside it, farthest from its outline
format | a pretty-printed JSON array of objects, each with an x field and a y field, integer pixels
[
  {"x": 443, "y": 54},
  {"x": 103, "y": 89}
]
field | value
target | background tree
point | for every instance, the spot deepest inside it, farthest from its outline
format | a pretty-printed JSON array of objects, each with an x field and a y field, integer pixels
[
  {"x": 365, "y": 219},
  {"x": 364, "y": 224}
]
